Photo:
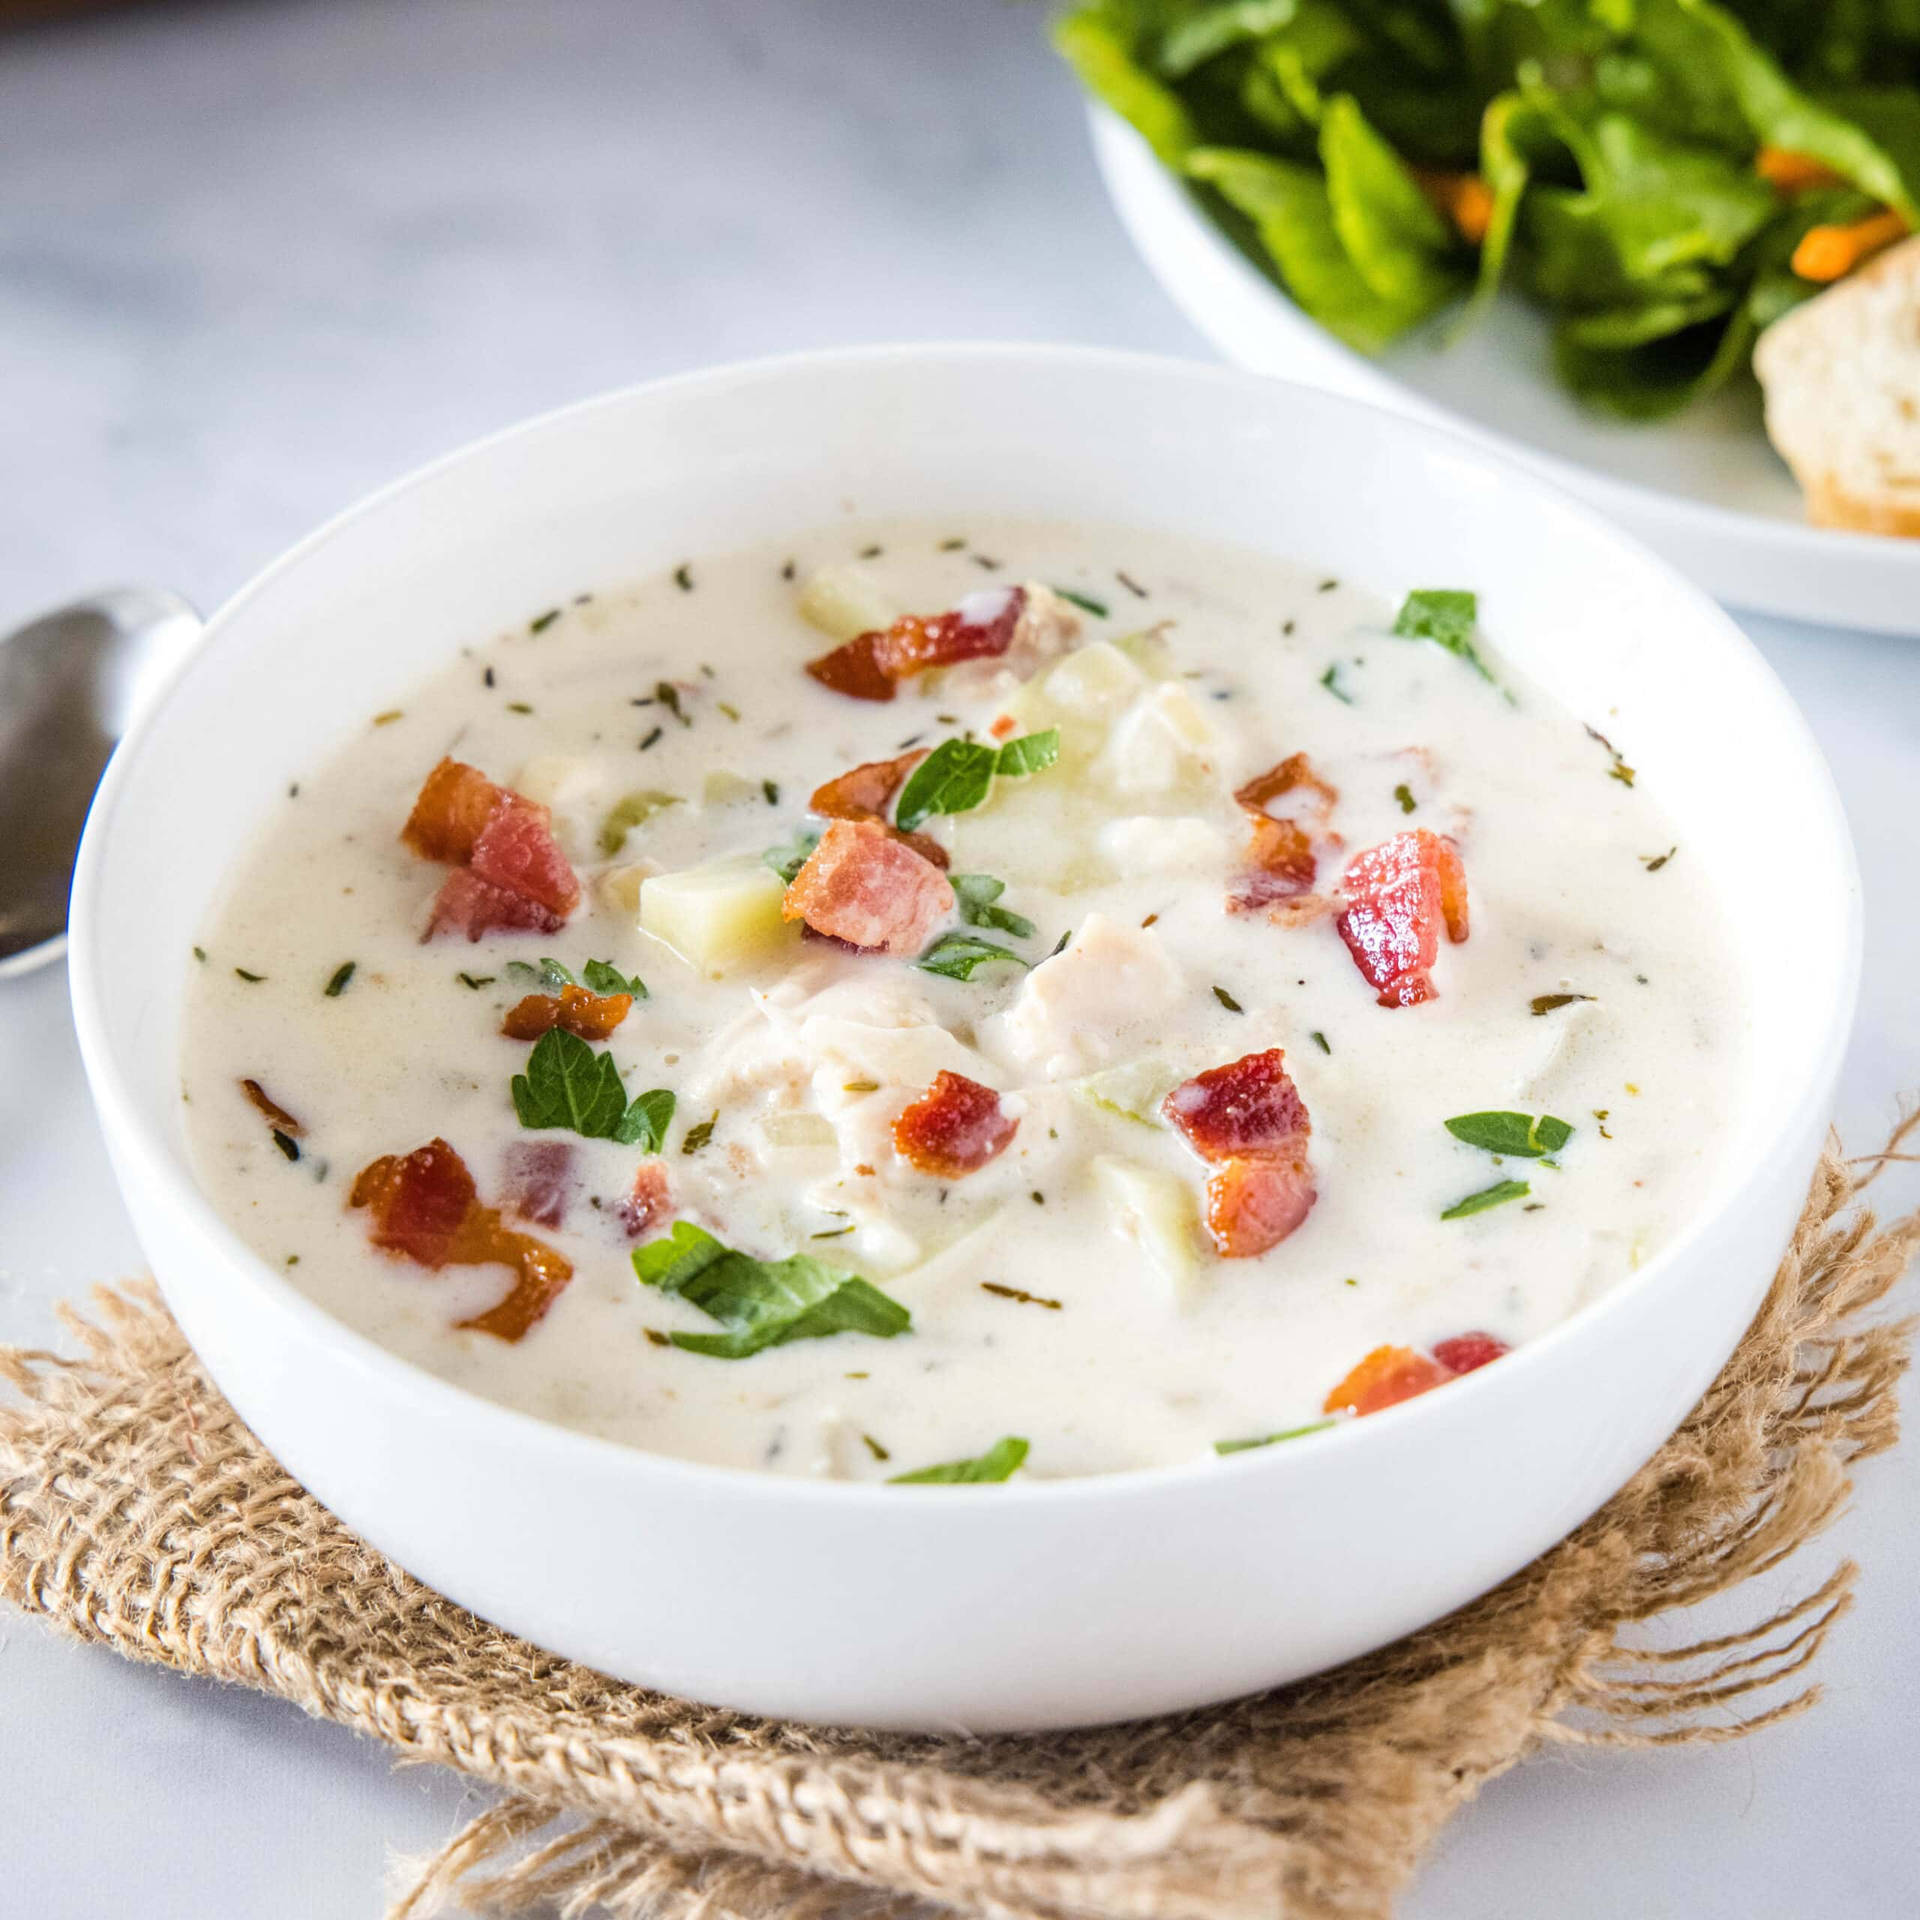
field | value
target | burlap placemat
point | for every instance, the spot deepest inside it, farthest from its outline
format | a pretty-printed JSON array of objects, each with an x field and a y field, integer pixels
[{"x": 135, "y": 1510}]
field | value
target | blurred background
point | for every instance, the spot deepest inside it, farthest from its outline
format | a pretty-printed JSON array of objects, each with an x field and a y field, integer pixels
[{"x": 258, "y": 257}]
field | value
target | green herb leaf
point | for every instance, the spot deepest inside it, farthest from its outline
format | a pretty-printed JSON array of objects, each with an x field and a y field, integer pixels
[
  {"x": 1227, "y": 1000},
  {"x": 1084, "y": 601},
  {"x": 976, "y": 893},
  {"x": 629, "y": 811},
  {"x": 1447, "y": 617},
  {"x": 602, "y": 976},
  {"x": 252, "y": 979},
  {"x": 1551, "y": 1002},
  {"x": 788, "y": 859},
  {"x": 1272, "y": 1439},
  {"x": 956, "y": 956},
  {"x": 1521, "y": 1135},
  {"x": 475, "y": 981},
  {"x": 1331, "y": 681},
  {"x": 958, "y": 775},
  {"x": 1404, "y": 794},
  {"x": 1494, "y": 1196},
  {"x": 1001, "y": 1461},
  {"x": 549, "y": 974},
  {"x": 568, "y": 1085},
  {"x": 700, "y": 1133},
  {"x": 645, "y": 1122},
  {"x": 341, "y": 975},
  {"x": 762, "y": 1303}
]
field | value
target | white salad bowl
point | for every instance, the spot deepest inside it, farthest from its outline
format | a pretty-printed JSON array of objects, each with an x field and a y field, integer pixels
[{"x": 1027, "y": 1605}]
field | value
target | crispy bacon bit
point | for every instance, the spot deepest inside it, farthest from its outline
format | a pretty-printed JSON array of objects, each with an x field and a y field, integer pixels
[
  {"x": 1248, "y": 1106},
  {"x": 1281, "y": 861},
  {"x": 516, "y": 850},
  {"x": 537, "y": 1177},
  {"x": 1254, "y": 1201},
  {"x": 453, "y": 808},
  {"x": 1467, "y": 1351},
  {"x": 867, "y": 791},
  {"x": 425, "y": 1207},
  {"x": 419, "y": 1201},
  {"x": 593, "y": 1016},
  {"x": 1003, "y": 725},
  {"x": 469, "y": 905},
  {"x": 1384, "y": 1378},
  {"x": 271, "y": 1110},
  {"x": 863, "y": 886},
  {"x": 1398, "y": 895},
  {"x": 954, "y": 1128},
  {"x": 854, "y": 670},
  {"x": 647, "y": 1203},
  {"x": 981, "y": 627},
  {"x": 1247, "y": 1120}
]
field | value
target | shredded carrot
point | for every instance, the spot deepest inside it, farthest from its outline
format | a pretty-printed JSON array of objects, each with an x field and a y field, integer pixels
[
  {"x": 1794, "y": 172},
  {"x": 1463, "y": 198},
  {"x": 1829, "y": 253}
]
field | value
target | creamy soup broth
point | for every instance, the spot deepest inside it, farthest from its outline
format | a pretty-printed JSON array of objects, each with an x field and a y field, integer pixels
[{"x": 1067, "y": 1291}]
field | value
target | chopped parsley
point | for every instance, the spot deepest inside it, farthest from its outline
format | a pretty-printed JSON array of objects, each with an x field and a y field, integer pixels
[
  {"x": 1550, "y": 1002},
  {"x": 1001, "y": 1461},
  {"x": 1227, "y": 1000},
  {"x": 601, "y": 976},
  {"x": 958, "y": 775},
  {"x": 1273, "y": 1439},
  {"x": 341, "y": 975},
  {"x": 957, "y": 956},
  {"x": 1448, "y": 617},
  {"x": 1523, "y": 1136},
  {"x": 568, "y": 1085},
  {"x": 1493, "y": 1196},
  {"x": 1084, "y": 601},
  {"x": 541, "y": 622},
  {"x": 1404, "y": 794},
  {"x": 976, "y": 893},
  {"x": 762, "y": 1303},
  {"x": 787, "y": 860},
  {"x": 1331, "y": 681},
  {"x": 1319, "y": 1039}
]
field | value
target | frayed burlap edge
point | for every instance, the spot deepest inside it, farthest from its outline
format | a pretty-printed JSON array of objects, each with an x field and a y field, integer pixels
[{"x": 136, "y": 1511}]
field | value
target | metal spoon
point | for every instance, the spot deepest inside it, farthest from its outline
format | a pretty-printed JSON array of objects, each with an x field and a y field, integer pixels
[{"x": 69, "y": 683}]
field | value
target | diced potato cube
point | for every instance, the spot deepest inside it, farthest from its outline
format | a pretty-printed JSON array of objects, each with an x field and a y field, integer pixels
[
  {"x": 845, "y": 602},
  {"x": 1095, "y": 681},
  {"x": 1162, "y": 744},
  {"x": 1149, "y": 651},
  {"x": 718, "y": 916},
  {"x": 1157, "y": 1211},
  {"x": 619, "y": 887},
  {"x": 570, "y": 788},
  {"x": 1133, "y": 1090},
  {"x": 1137, "y": 843}
]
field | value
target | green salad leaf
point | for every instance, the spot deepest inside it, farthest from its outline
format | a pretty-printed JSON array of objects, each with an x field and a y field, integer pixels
[
  {"x": 1001, "y": 1461},
  {"x": 762, "y": 1303},
  {"x": 568, "y": 1085}
]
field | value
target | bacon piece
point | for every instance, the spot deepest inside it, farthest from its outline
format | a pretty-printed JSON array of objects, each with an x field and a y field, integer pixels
[
  {"x": 419, "y": 1200},
  {"x": 425, "y": 1207},
  {"x": 954, "y": 1128},
  {"x": 1384, "y": 1378},
  {"x": 593, "y": 1016},
  {"x": 647, "y": 1203},
  {"x": 453, "y": 808},
  {"x": 1247, "y": 1120},
  {"x": 1281, "y": 862},
  {"x": 536, "y": 1178},
  {"x": 867, "y": 791},
  {"x": 854, "y": 670},
  {"x": 1254, "y": 1201},
  {"x": 469, "y": 905},
  {"x": 861, "y": 885},
  {"x": 517, "y": 851},
  {"x": 1248, "y": 1106},
  {"x": 981, "y": 627},
  {"x": 275, "y": 1115},
  {"x": 1398, "y": 895},
  {"x": 1467, "y": 1351}
]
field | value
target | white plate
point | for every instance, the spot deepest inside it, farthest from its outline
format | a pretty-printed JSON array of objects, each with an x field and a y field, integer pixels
[{"x": 1706, "y": 491}]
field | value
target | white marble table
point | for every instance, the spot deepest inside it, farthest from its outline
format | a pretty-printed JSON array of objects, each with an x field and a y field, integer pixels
[{"x": 255, "y": 259}]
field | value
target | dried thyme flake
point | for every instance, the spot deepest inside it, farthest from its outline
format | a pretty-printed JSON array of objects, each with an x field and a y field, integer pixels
[
  {"x": 1653, "y": 862},
  {"x": 475, "y": 980},
  {"x": 683, "y": 576},
  {"x": 389, "y": 717},
  {"x": 287, "y": 1144},
  {"x": 1551, "y": 1002},
  {"x": 342, "y": 974},
  {"x": 1404, "y": 794},
  {"x": 669, "y": 697},
  {"x": 541, "y": 622},
  {"x": 1331, "y": 681},
  {"x": 1227, "y": 1000},
  {"x": 1320, "y": 1040},
  {"x": 1020, "y": 1294},
  {"x": 873, "y": 1446},
  {"x": 700, "y": 1134},
  {"x": 252, "y": 979},
  {"x": 652, "y": 739}
]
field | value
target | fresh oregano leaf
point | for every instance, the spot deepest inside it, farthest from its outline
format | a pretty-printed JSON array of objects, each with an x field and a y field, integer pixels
[
  {"x": 1001, "y": 1461},
  {"x": 1031, "y": 753},
  {"x": 1521, "y": 1135},
  {"x": 602, "y": 976},
  {"x": 1084, "y": 601},
  {"x": 1493, "y": 1196},
  {"x": 568, "y": 1085},
  {"x": 787, "y": 860},
  {"x": 1446, "y": 616},
  {"x": 549, "y": 974},
  {"x": 975, "y": 894},
  {"x": 958, "y": 775},
  {"x": 645, "y": 1122},
  {"x": 762, "y": 1303},
  {"x": 1272, "y": 1439},
  {"x": 956, "y": 956}
]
